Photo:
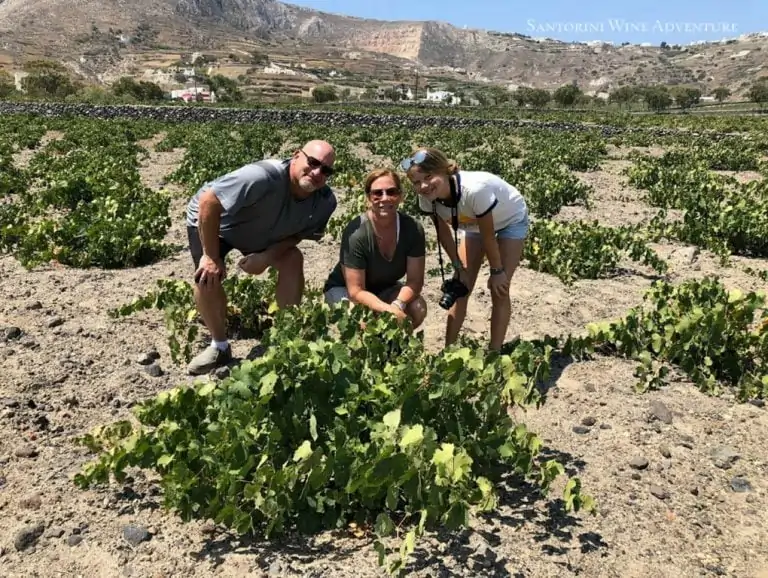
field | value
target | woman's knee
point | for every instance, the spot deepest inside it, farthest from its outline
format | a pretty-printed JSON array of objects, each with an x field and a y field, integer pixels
[{"x": 417, "y": 311}]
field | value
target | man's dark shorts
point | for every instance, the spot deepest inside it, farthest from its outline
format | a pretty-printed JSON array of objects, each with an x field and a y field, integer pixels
[{"x": 196, "y": 247}]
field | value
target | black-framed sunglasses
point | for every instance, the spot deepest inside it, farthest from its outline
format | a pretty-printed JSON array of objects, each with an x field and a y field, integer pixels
[
  {"x": 390, "y": 192},
  {"x": 314, "y": 164},
  {"x": 415, "y": 159}
]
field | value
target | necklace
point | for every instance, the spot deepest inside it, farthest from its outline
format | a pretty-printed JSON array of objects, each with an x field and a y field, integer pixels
[{"x": 388, "y": 252}]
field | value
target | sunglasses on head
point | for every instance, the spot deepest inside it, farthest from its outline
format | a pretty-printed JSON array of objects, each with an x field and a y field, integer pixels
[
  {"x": 415, "y": 159},
  {"x": 314, "y": 164},
  {"x": 390, "y": 192}
]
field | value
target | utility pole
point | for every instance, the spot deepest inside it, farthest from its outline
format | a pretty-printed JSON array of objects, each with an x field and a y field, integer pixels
[{"x": 416, "y": 88}]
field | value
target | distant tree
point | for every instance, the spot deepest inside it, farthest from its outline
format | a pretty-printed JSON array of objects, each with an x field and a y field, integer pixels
[
  {"x": 226, "y": 89},
  {"x": 43, "y": 66},
  {"x": 497, "y": 94},
  {"x": 721, "y": 93},
  {"x": 7, "y": 85},
  {"x": 482, "y": 97},
  {"x": 657, "y": 98},
  {"x": 567, "y": 95},
  {"x": 142, "y": 91},
  {"x": 48, "y": 84},
  {"x": 259, "y": 58},
  {"x": 92, "y": 95},
  {"x": 539, "y": 97},
  {"x": 623, "y": 95},
  {"x": 522, "y": 95},
  {"x": 324, "y": 93},
  {"x": 758, "y": 93},
  {"x": 685, "y": 96},
  {"x": 392, "y": 93}
]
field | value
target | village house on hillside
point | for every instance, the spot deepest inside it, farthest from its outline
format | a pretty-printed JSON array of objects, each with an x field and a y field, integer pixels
[{"x": 194, "y": 93}]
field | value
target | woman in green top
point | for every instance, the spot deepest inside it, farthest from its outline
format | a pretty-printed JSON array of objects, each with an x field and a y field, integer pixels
[{"x": 378, "y": 248}]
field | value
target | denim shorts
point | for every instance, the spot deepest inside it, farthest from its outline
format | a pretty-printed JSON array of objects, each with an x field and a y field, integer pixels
[{"x": 517, "y": 230}]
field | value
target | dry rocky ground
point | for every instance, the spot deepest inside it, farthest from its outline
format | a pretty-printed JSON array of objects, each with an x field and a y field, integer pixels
[{"x": 681, "y": 478}]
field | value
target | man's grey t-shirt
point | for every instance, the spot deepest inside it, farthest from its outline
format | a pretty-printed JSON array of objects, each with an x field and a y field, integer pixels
[{"x": 259, "y": 209}]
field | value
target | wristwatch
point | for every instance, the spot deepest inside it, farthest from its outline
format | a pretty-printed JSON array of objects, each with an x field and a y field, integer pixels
[
  {"x": 399, "y": 304},
  {"x": 497, "y": 270}
]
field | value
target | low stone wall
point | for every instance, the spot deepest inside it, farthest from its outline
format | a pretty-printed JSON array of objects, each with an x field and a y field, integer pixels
[{"x": 288, "y": 117}]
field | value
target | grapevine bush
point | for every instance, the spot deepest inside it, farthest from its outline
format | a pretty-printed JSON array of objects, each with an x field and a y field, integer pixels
[
  {"x": 586, "y": 250},
  {"x": 717, "y": 336},
  {"x": 338, "y": 424},
  {"x": 85, "y": 205}
]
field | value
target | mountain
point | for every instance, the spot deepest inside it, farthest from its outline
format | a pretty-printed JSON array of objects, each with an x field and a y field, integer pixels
[{"x": 106, "y": 38}]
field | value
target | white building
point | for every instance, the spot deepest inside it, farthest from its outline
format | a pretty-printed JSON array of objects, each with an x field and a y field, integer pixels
[
  {"x": 189, "y": 93},
  {"x": 442, "y": 96}
]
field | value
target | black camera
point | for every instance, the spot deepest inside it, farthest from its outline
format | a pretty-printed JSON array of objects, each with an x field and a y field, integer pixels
[{"x": 452, "y": 289}]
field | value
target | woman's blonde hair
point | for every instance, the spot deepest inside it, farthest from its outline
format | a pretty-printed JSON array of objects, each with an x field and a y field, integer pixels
[
  {"x": 377, "y": 174},
  {"x": 435, "y": 161}
]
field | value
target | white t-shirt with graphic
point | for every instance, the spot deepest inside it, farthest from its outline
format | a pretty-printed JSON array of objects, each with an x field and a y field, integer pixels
[{"x": 481, "y": 192}]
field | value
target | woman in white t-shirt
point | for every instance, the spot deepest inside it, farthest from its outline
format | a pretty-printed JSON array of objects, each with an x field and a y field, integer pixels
[{"x": 494, "y": 218}]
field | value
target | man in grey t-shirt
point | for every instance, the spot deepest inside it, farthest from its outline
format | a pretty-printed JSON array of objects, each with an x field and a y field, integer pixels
[{"x": 263, "y": 210}]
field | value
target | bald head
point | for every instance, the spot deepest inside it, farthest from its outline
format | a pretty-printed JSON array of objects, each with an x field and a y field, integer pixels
[
  {"x": 311, "y": 166},
  {"x": 321, "y": 150}
]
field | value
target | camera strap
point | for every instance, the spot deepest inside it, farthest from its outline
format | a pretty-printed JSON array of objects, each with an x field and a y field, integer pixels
[{"x": 454, "y": 223}]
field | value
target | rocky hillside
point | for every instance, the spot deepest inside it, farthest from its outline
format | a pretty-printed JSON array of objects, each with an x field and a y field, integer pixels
[{"x": 85, "y": 31}]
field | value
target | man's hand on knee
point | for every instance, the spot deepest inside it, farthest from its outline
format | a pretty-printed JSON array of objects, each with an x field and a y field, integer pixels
[{"x": 210, "y": 272}]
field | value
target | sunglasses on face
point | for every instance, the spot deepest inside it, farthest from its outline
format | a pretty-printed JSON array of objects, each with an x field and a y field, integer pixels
[
  {"x": 315, "y": 164},
  {"x": 391, "y": 192},
  {"x": 415, "y": 159}
]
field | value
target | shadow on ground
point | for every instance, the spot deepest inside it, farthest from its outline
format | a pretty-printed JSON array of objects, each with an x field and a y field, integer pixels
[
  {"x": 470, "y": 551},
  {"x": 473, "y": 551}
]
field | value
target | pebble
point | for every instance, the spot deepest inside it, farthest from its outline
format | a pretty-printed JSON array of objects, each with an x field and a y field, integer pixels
[
  {"x": 740, "y": 485},
  {"x": 33, "y": 502},
  {"x": 74, "y": 539},
  {"x": 580, "y": 429},
  {"x": 638, "y": 463},
  {"x": 665, "y": 451},
  {"x": 724, "y": 456},
  {"x": 26, "y": 452},
  {"x": 154, "y": 370},
  {"x": 12, "y": 333},
  {"x": 55, "y": 322},
  {"x": 659, "y": 492},
  {"x": 148, "y": 357},
  {"x": 135, "y": 535},
  {"x": 28, "y": 536},
  {"x": 589, "y": 421},
  {"x": 661, "y": 412}
]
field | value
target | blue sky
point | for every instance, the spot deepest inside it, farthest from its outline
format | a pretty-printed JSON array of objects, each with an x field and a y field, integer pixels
[{"x": 653, "y": 21}]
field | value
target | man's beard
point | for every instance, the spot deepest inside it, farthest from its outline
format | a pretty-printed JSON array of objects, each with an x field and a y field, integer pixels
[{"x": 306, "y": 185}]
